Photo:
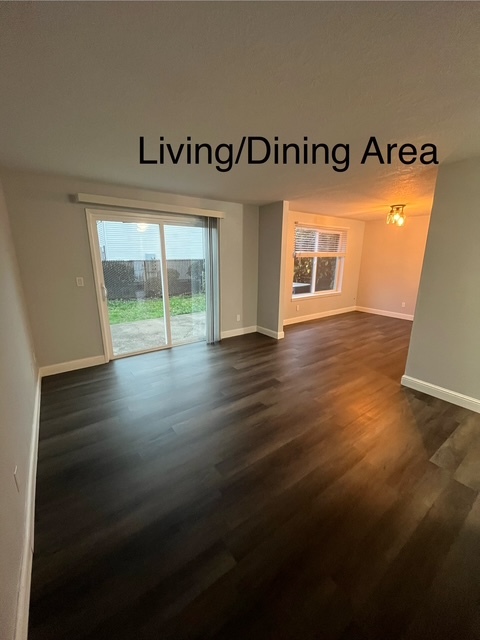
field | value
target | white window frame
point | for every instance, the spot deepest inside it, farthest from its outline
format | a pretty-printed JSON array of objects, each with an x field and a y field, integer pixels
[{"x": 340, "y": 255}]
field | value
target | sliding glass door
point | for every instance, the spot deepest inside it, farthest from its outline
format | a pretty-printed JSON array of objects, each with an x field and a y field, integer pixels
[{"x": 151, "y": 283}]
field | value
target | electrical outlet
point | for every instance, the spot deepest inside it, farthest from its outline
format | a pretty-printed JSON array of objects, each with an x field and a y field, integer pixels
[
  {"x": 403, "y": 304},
  {"x": 298, "y": 307},
  {"x": 238, "y": 317},
  {"x": 79, "y": 281}
]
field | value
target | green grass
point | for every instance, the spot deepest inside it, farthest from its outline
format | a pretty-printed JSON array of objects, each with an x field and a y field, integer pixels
[{"x": 132, "y": 310}]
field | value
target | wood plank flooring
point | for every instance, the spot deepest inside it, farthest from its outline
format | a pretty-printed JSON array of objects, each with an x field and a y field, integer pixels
[{"x": 257, "y": 490}]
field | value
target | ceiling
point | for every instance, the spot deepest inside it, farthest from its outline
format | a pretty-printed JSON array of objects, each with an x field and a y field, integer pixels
[{"x": 82, "y": 81}]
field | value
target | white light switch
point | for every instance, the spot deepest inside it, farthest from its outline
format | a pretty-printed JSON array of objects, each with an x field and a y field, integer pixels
[{"x": 79, "y": 282}]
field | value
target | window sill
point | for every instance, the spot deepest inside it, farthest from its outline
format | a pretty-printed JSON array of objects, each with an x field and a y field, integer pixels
[{"x": 320, "y": 294}]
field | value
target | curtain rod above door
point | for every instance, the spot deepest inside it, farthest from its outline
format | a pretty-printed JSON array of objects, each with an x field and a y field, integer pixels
[{"x": 143, "y": 205}]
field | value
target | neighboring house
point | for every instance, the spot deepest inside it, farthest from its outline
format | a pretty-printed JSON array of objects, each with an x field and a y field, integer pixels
[{"x": 128, "y": 241}]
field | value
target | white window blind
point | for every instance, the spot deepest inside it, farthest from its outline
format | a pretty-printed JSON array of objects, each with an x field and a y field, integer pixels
[
  {"x": 310, "y": 242},
  {"x": 318, "y": 262}
]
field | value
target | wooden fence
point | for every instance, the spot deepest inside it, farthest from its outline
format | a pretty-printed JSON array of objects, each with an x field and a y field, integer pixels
[{"x": 137, "y": 279}]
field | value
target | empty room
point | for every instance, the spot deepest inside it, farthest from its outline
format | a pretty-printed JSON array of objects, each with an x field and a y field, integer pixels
[{"x": 240, "y": 299}]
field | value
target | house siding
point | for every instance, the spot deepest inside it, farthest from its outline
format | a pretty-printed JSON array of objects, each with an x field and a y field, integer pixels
[{"x": 124, "y": 241}]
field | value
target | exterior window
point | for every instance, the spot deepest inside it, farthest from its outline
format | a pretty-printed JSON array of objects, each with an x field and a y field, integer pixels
[{"x": 318, "y": 261}]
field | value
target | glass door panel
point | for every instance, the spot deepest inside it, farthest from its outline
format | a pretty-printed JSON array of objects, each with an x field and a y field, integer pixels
[
  {"x": 185, "y": 263},
  {"x": 133, "y": 285}
]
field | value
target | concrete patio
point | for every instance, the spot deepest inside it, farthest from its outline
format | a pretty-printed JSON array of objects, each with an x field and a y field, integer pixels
[{"x": 130, "y": 337}]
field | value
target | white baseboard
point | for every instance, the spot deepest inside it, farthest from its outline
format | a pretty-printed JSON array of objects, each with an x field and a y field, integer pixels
[
  {"x": 73, "y": 365},
  {"x": 238, "y": 332},
  {"x": 316, "y": 316},
  {"x": 444, "y": 394},
  {"x": 389, "y": 314},
  {"x": 23, "y": 601},
  {"x": 278, "y": 335}
]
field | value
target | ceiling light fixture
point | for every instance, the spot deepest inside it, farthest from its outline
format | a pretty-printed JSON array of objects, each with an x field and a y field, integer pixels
[{"x": 396, "y": 215}]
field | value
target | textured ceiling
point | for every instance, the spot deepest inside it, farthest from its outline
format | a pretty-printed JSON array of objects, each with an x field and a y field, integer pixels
[{"x": 81, "y": 82}]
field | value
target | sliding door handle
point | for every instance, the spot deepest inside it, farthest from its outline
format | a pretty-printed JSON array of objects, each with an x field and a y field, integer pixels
[{"x": 104, "y": 292}]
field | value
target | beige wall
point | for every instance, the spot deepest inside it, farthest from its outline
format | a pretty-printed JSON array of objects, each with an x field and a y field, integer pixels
[
  {"x": 324, "y": 304},
  {"x": 271, "y": 266},
  {"x": 445, "y": 343},
  {"x": 18, "y": 386},
  {"x": 51, "y": 239},
  {"x": 391, "y": 264}
]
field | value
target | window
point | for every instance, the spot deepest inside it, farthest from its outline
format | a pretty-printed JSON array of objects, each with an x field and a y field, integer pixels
[{"x": 318, "y": 260}]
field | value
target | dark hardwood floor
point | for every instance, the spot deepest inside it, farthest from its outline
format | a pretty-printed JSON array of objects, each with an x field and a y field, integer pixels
[{"x": 257, "y": 490}]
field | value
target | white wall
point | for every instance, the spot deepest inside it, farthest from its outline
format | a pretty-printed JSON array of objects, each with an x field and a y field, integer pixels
[
  {"x": 51, "y": 239},
  {"x": 331, "y": 303},
  {"x": 445, "y": 344},
  {"x": 391, "y": 265},
  {"x": 271, "y": 268},
  {"x": 18, "y": 398}
]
